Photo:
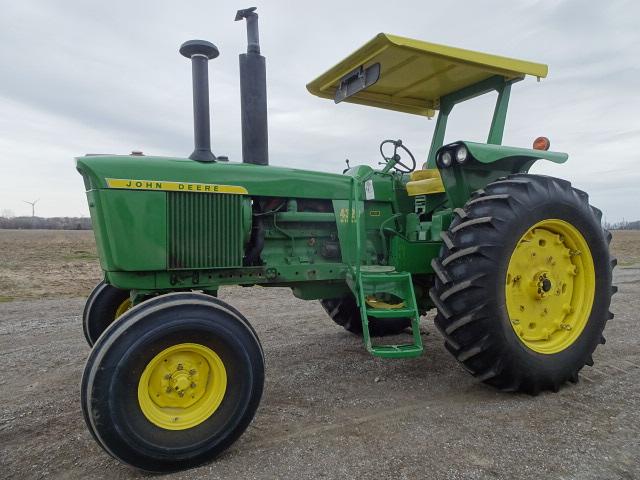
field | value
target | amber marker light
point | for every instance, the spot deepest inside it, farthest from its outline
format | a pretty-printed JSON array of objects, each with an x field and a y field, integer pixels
[{"x": 541, "y": 143}]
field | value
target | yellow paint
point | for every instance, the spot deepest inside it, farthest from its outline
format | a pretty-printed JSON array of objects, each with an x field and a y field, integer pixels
[
  {"x": 182, "y": 386},
  {"x": 415, "y": 74},
  {"x": 425, "y": 182},
  {"x": 133, "y": 184},
  {"x": 381, "y": 304},
  {"x": 123, "y": 307},
  {"x": 550, "y": 286},
  {"x": 344, "y": 215}
]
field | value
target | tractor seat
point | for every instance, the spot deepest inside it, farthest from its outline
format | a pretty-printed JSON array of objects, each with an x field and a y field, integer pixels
[{"x": 425, "y": 182}]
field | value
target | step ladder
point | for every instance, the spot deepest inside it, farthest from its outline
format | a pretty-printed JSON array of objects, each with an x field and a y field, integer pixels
[{"x": 372, "y": 281}]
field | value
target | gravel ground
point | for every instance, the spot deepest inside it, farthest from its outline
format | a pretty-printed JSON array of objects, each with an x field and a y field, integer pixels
[{"x": 332, "y": 411}]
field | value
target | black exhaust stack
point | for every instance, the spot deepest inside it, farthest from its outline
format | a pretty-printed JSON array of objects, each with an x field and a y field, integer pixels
[
  {"x": 253, "y": 95},
  {"x": 200, "y": 52}
]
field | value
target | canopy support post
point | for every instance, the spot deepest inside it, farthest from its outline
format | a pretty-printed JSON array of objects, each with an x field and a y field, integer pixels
[
  {"x": 499, "y": 115},
  {"x": 447, "y": 102}
]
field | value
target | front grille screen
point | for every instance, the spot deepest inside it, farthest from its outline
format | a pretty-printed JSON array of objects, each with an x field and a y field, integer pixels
[{"x": 205, "y": 230}]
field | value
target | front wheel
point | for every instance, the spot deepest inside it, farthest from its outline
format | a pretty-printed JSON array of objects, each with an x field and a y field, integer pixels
[
  {"x": 173, "y": 382},
  {"x": 523, "y": 283},
  {"x": 104, "y": 305}
]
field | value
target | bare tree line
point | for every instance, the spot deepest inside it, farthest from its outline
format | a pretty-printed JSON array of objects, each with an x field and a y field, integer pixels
[
  {"x": 41, "y": 223},
  {"x": 623, "y": 225}
]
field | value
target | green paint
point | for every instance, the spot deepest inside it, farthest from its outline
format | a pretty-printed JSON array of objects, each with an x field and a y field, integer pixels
[
  {"x": 485, "y": 153},
  {"x": 324, "y": 235},
  {"x": 499, "y": 115},
  {"x": 380, "y": 283}
]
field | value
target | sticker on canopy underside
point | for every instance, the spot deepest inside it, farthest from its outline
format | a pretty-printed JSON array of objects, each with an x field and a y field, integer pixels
[{"x": 132, "y": 184}]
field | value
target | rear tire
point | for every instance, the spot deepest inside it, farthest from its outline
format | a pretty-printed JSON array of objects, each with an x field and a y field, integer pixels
[
  {"x": 345, "y": 312},
  {"x": 475, "y": 290},
  {"x": 104, "y": 304},
  {"x": 124, "y": 399}
]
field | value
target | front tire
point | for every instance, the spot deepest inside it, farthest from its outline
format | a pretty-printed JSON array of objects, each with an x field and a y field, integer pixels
[
  {"x": 104, "y": 305},
  {"x": 173, "y": 382},
  {"x": 523, "y": 283}
]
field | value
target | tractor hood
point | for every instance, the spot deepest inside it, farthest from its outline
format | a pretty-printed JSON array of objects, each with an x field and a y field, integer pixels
[{"x": 137, "y": 172}]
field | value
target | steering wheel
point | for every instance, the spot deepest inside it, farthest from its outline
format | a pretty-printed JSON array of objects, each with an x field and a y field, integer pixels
[{"x": 395, "y": 160}]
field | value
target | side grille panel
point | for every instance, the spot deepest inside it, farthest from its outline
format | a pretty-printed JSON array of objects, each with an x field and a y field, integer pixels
[{"x": 205, "y": 230}]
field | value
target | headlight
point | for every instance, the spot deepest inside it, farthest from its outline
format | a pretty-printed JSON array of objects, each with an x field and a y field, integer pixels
[
  {"x": 462, "y": 154},
  {"x": 445, "y": 159}
]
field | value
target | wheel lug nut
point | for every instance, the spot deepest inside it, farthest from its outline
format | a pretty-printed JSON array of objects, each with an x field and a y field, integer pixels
[
  {"x": 192, "y": 371},
  {"x": 193, "y": 385},
  {"x": 180, "y": 367}
]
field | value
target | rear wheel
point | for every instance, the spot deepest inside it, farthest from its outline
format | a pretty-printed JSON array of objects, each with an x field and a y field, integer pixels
[
  {"x": 345, "y": 312},
  {"x": 104, "y": 305},
  {"x": 173, "y": 382},
  {"x": 524, "y": 283}
]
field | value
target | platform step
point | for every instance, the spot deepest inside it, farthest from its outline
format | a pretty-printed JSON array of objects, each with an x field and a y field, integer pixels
[
  {"x": 382, "y": 282},
  {"x": 391, "y": 312},
  {"x": 373, "y": 269},
  {"x": 408, "y": 350}
]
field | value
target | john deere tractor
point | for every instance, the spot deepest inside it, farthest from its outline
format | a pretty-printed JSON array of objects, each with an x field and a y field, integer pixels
[{"x": 516, "y": 265}]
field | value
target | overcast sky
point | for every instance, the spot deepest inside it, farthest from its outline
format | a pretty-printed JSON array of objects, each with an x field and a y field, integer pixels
[{"x": 106, "y": 77}]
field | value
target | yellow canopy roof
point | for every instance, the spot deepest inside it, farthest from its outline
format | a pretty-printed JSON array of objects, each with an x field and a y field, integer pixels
[{"x": 415, "y": 74}]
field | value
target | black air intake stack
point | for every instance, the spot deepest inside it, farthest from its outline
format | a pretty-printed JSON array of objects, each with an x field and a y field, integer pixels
[
  {"x": 200, "y": 52},
  {"x": 253, "y": 95}
]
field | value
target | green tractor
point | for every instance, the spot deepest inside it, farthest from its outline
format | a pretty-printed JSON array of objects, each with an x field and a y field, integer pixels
[{"x": 516, "y": 265}]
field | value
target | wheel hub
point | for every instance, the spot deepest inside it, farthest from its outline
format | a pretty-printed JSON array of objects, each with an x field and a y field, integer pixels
[
  {"x": 541, "y": 284},
  {"x": 550, "y": 286},
  {"x": 177, "y": 381},
  {"x": 182, "y": 386}
]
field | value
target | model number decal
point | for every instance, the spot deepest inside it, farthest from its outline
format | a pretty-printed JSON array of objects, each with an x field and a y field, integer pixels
[
  {"x": 344, "y": 215},
  {"x": 132, "y": 184}
]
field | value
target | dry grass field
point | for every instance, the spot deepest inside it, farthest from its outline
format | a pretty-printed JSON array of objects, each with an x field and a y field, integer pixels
[
  {"x": 47, "y": 263},
  {"x": 625, "y": 245},
  {"x": 329, "y": 410}
]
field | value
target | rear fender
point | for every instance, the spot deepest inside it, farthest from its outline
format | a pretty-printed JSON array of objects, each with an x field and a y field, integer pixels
[{"x": 486, "y": 164}]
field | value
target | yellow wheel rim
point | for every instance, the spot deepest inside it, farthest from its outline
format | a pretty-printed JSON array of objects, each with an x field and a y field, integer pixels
[
  {"x": 182, "y": 386},
  {"x": 550, "y": 286},
  {"x": 123, "y": 307}
]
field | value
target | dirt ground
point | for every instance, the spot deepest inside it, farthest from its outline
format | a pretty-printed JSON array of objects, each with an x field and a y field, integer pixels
[{"x": 329, "y": 409}]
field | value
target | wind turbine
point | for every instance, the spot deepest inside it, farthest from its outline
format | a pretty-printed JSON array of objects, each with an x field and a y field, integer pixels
[{"x": 33, "y": 206}]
